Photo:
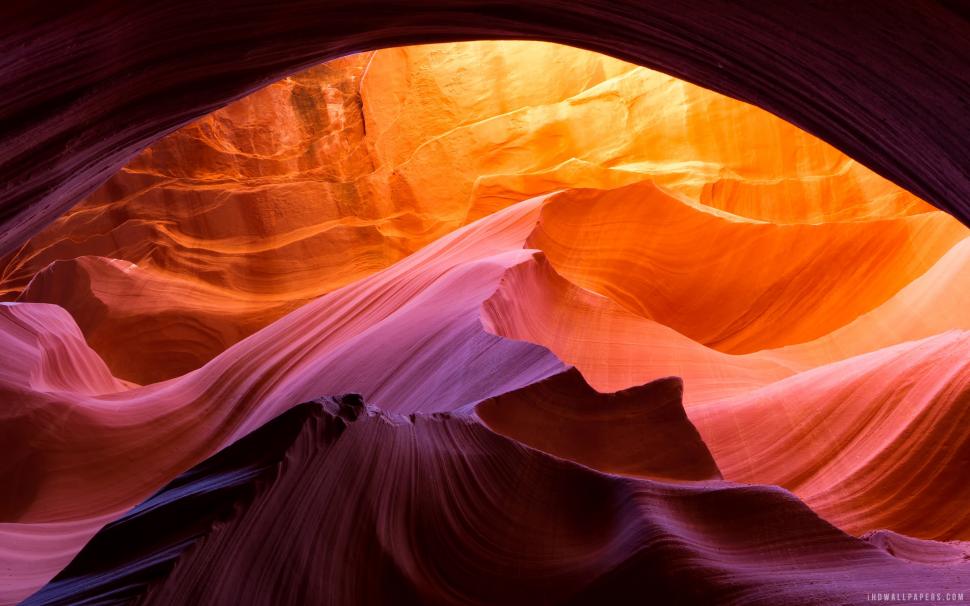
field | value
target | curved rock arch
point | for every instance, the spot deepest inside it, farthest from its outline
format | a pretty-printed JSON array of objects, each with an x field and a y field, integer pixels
[{"x": 86, "y": 88}]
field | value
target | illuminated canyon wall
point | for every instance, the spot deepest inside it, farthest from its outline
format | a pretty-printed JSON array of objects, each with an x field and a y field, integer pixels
[
  {"x": 323, "y": 178},
  {"x": 612, "y": 333}
]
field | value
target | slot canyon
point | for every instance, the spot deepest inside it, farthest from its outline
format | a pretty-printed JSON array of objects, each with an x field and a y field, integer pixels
[{"x": 450, "y": 319}]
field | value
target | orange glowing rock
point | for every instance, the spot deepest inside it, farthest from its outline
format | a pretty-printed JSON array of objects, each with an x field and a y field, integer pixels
[
  {"x": 613, "y": 347},
  {"x": 440, "y": 229},
  {"x": 617, "y": 349},
  {"x": 332, "y": 174},
  {"x": 880, "y": 440},
  {"x": 153, "y": 311},
  {"x": 737, "y": 285}
]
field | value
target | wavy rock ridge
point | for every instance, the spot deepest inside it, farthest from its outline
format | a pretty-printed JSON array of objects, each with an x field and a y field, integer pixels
[
  {"x": 362, "y": 495},
  {"x": 585, "y": 301},
  {"x": 327, "y": 176},
  {"x": 451, "y": 285}
]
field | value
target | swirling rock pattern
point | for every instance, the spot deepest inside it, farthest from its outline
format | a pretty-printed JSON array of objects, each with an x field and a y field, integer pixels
[
  {"x": 72, "y": 119},
  {"x": 604, "y": 320},
  {"x": 450, "y": 285},
  {"x": 443, "y": 511},
  {"x": 334, "y": 173},
  {"x": 156, "y": 431},
  {"x": 848, "y": 444},
  {"x": 780, "y": 285}
]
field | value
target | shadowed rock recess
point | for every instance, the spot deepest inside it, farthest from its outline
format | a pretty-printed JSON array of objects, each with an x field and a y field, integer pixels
[
  {"x": 335, "y": 502},
  {"x": 621, "y": 338}
]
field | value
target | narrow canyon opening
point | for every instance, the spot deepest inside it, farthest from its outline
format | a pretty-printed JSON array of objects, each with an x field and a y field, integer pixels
[{"x": 588, "y": 258}]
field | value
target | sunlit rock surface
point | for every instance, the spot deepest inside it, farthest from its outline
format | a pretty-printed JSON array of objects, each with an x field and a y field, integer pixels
[
  {"x": 548, "y": 272},
  {"x": 330, "y": 175}
]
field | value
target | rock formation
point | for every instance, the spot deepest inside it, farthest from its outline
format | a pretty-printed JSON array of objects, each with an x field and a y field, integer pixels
[
  {"x": 329, "y": 175},
  {"x": 616, "y": 334},
  {"x": 337, "y": 503}
]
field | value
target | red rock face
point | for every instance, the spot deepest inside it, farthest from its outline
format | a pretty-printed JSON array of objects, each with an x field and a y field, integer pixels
[
  {"x": 625, "y": 433},
  {"x": 330, "y": 175},
  {"x": 615, "y": 333}
]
